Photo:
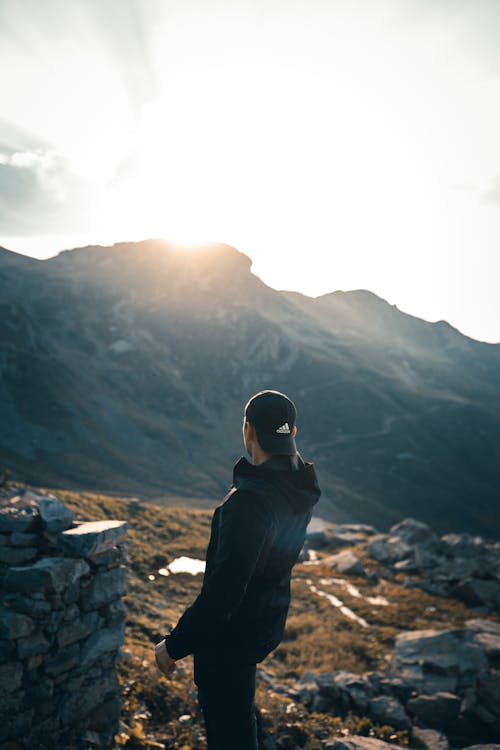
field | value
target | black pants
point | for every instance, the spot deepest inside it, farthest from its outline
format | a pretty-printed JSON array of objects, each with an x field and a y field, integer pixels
[{"x": 226, "y": 694}]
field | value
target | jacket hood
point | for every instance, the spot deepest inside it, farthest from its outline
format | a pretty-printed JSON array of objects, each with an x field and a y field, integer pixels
[{"x": 299, "y": 485}]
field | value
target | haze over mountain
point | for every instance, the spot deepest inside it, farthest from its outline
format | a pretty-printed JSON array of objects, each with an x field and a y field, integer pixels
[{"x": 126, "y": 369}]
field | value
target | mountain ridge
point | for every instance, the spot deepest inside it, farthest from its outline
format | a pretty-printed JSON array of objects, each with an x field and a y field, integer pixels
[{"x": 126, "y": 368}]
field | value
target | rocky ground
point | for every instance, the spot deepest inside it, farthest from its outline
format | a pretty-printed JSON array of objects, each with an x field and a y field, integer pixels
[{"x": 392, "y": 640}]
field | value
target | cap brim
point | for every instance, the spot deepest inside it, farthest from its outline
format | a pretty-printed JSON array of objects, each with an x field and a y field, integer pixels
[{"x": 281, "y": 444}]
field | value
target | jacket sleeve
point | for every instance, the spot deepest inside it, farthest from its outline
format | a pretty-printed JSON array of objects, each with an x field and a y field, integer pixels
[{"x": 244, "y": 524}]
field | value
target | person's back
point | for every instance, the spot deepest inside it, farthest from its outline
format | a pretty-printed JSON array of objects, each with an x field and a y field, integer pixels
[
  {"x": 257, "y": 626},
  {"x": 257, "y": 534}
]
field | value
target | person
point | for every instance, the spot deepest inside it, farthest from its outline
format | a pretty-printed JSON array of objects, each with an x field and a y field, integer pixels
[{"x": 257, "y": 533}]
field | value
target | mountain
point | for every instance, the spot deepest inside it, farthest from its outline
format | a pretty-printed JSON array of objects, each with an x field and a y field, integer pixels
[{"x": 125, "y": 369}]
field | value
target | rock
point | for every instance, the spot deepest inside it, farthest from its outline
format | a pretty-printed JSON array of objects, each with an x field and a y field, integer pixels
[
  {"x": 100, "y": 716},
  {"x": 16, "y": 555},
  {"x": 92, "y": 538},
  {"x": 474, "y": 592},
  {"x": 18, "y": 515},
  {"x": 54, "y": 514},
  {"x": 464, "y": 545},
  {"x": 407, "y": 565},
  {"x": 35, "y": 644},
  {"x": 490, "y": 644},
  {"x": 489, "y": 746},
  {"x": 10, "y": 677},
  {"x": 27, "y": 605},
  {"x": 388, "y": 549},
  {"x": 436, "y": 710},
  {"x": 346, "y": 562},
  {"x": 356, "y": 528},
  {"x": 426, "y": 557},
  {"x": 50, "y": 574},
  {"x": 388, "y": 710},
  {"x": 14, "y": 625},
  {"x": 109, "y": 558},
  {"x": 7, "y": 649},
  {"x": 486, "y": 705},
  {"x": 482, "y": 625},
  {"x": 20, "y": 539},
  {"x": 433, "y": 587},
  {"x": 102, "y": 641},
  {"x": 104, "y": 587},
  {"x": 346, "y": 690},
  {"x": 63, "y": 660},
  {"x": 294, "y": 737},
  {"x": 346, "y": 538},
  {"x": 343, "y": 690},
  {"x": 317, "y": 539},
  {"x": 436, "y": 660},
  {"x": 356, "y": 742},
  {"x": 78, "y": 629},
  {"x": 486, "y": 634},
  {"x": 459, "y": 568},
  {"x": 428, "y": 739},
  {"x": 413, "y": 531}
]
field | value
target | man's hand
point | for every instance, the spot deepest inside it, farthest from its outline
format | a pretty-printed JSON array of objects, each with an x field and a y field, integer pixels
[{"x": 164, "y": 662}]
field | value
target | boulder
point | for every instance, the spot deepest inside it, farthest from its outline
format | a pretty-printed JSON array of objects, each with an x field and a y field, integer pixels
[
  {"x": 437, "y": 660},
  {"x": 436, "y": 710},
  {"x": 346, "y": 562},
  {"x": 103, "y": 588},
  {"x": 54, "y": 514},
  {"x": 101, "y": 642},
  {"x": 476, "y": 592},
  {"x": 92, "y": 538},
  {"x": 428, "y": 739},
  {"x": 10, "y": 677},
  {"x": 346, "y": 690},
  {"x": 464, "y": 545},
  {"x": 413, "y": 531},
  {"x": 346, "y": 538},
  {"x": 342, "y": 689},
  {"x": 458, "y": 568},
  {"x": 14, "y": 625},
  {"x": 387, "y": 710},
  {"x": 78, "y": 628},
  {"x": 482, "y": 625},
  {"x": 17, "y": 555},
  {"x": 18, "y": 515},
  {"x": 23, "y": 539},
  {"x": 52, "y": 574},
  {"x": 317, "y": 539},
  {"x": 486, "y": 702},
  {"x": 356, "y": 528},
  {"x": 486, "y": 634},
  {"x": 388, "y": 549}
]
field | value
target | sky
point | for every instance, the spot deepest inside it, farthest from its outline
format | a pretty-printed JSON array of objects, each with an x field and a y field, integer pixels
[{"x": 341, "y": 144}]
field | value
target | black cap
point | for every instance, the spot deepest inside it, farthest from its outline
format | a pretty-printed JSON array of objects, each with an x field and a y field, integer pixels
[{"x": 273, "y": 415}]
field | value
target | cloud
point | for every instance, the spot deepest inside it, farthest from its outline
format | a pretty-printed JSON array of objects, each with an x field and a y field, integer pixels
[
  {"x": 39, "y": 193},
  {"x": 491, "y": 197}
]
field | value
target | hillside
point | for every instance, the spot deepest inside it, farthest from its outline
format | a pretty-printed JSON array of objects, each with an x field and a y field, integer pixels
[
  {"x": 125, "y": 369},
  {"x": 325, "y": 639}
]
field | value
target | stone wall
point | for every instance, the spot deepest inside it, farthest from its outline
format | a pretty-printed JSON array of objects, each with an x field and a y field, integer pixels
[{"x": 62, "y": 622}]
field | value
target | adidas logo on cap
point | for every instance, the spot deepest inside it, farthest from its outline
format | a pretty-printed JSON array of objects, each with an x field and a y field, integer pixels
[{"x": 284, "y": 428}]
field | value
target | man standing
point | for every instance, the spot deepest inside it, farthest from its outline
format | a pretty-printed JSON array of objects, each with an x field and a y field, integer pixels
[{"x": 257, "y": 534}]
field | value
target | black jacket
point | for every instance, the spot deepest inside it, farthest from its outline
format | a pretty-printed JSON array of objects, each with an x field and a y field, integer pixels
[{"x": 257, "y": 534}]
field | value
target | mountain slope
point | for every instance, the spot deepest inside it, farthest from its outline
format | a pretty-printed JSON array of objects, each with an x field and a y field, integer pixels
[{"x": 126, "y": 369}]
